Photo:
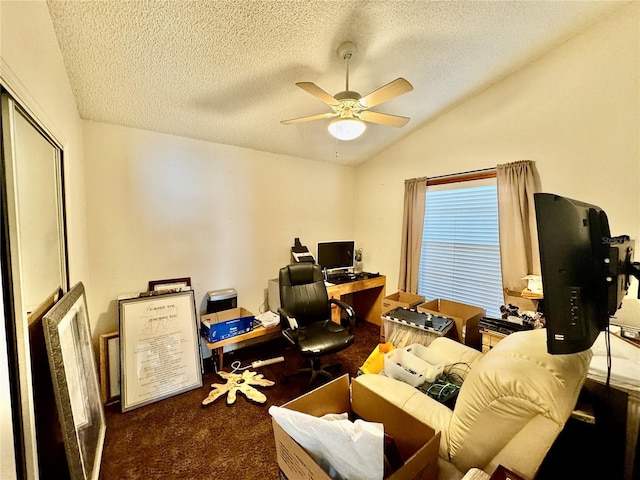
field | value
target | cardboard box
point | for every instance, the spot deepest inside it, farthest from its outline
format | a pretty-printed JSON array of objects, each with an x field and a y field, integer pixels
[
  {"x": 226, "y": 324},
  {"x": 466, "y": 319},
  {"x": 417, "y": 442},
  {"x": 401, "y": 299}
]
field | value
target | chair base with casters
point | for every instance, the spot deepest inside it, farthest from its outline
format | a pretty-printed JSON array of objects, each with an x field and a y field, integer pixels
[
  {"x": 315, "y": 369},
  {"x": 326, "y": 337},
  {"x": 305, "y": 316}
]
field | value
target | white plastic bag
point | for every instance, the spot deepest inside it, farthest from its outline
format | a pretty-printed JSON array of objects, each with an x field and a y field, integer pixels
[{"x": 343, "y": 449}]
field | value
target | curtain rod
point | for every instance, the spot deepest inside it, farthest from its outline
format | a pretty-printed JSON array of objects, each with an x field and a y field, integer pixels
[{"x": 470, "y": 172}]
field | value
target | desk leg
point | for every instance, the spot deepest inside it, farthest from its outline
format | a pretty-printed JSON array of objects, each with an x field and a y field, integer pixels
[
  {"x": 220, "y": 353},
  {"x": 632, "y": 462}
]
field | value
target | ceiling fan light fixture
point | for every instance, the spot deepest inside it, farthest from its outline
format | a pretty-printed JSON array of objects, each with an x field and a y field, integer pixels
[{"x": 346, "y": 128}]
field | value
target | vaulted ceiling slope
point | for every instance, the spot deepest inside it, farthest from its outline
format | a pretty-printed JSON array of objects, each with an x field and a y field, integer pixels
[{"x": 225, "y": 71}]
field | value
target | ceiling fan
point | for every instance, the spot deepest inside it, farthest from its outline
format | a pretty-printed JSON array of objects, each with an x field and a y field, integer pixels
[{"x": 350, "y": 109}]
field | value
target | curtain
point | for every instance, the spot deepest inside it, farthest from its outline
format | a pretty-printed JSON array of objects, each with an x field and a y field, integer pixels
[
  {"x": 415, "y": 191},
  {"x": 517, "y": 222}
]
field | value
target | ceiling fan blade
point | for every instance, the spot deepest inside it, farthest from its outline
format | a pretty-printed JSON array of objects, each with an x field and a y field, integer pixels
[
  {"x": 317, "y": 92},
  {"x": 389, "y": 91},
  {"x": 383, "y": 119},
  {"x": 308, "y": 119}
]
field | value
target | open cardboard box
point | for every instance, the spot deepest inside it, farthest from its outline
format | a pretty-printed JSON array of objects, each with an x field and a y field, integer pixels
[
  {"x": 417, "y": 442},
  {"x": 401, "y": 299},
  {"x": 466, "y": 319},
  {"x": 226, "y": 324}
]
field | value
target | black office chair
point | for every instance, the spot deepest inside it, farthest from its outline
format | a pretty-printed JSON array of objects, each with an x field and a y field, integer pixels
[{"x": 305, "y": 317}]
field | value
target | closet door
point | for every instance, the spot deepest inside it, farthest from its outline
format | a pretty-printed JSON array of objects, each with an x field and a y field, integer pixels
[{"x": 34, "y": 264}]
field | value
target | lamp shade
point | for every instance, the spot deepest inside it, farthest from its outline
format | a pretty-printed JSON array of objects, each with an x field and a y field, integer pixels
[{"x": 346, "y": 128}]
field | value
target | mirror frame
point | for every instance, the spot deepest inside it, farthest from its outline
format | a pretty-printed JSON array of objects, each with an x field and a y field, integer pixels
[{"x": 17, "y": 314}]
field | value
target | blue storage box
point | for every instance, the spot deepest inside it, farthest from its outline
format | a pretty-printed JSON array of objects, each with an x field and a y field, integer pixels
[{"x": 226, "y": 324}]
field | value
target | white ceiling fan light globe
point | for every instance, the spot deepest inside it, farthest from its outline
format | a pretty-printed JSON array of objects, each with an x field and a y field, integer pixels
[{"x": 346, "y": 128}]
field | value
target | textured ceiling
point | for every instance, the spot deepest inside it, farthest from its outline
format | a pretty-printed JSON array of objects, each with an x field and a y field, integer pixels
[{"x": 225, "y": 71}]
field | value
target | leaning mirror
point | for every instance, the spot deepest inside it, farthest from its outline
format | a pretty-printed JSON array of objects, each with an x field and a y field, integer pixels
[{"x": 34, "y": 257}]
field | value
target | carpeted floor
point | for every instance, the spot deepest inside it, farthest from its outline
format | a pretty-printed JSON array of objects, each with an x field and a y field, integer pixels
[{"x": 177, "y": 438}]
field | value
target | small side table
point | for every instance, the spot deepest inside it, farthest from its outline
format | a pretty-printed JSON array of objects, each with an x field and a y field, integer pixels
[{"x": 490, "y": 339}]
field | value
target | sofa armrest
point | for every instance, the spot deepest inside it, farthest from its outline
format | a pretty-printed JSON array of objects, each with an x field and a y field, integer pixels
[
  {"x": 414, "y": 402},
  {"x": 452, "y": 352}
]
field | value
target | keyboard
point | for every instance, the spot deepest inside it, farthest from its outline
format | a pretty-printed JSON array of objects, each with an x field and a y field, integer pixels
[{"x": 337, "y": 278}]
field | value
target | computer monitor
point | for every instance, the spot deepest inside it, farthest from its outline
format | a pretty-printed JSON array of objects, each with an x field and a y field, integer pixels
[
  {"x": 585, "y": 271},
  {"x": 336, "y": 255}
]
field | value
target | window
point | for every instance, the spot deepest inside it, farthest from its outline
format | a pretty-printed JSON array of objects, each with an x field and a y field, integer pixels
[{"x": 460, "y": 256}]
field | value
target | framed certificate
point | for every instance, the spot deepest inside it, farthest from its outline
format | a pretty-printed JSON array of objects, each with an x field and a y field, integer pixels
[{"x": 159, "y": 348}]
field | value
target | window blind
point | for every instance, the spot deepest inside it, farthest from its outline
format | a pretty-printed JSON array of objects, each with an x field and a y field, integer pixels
[{"x": 460, "y": 256}]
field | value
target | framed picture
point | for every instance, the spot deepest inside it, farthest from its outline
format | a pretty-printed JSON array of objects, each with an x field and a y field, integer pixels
[
  {"x": 110, "y": 367},
  {"x": 75, "y": 383},
  {"x": 171, "y": 284},
  {"x": 159, "y": 348}
]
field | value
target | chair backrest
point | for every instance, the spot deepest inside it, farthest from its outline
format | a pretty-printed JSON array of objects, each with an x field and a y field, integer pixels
[
  {"x": 513, "y": 404},
  {"x": 303, "y": 292}
]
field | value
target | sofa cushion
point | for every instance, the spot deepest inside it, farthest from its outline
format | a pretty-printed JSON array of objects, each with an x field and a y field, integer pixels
[
  {"x": 454, "y": 353},
  {"x": 413, "y": 401}
]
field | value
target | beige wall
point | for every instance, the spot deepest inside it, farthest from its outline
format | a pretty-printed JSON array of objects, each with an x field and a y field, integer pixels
[
  {"x": 31, "y": 69},
  {"x": 162, "y": 206},
  {"x": 575, "y": 112}
]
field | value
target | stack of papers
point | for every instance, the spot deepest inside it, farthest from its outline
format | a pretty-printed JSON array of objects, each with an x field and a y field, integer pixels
[{"x": 268, "y": 319}]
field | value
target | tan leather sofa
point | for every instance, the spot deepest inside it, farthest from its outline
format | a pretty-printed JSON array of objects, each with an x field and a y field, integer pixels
[{"x": 513, "y": 403}]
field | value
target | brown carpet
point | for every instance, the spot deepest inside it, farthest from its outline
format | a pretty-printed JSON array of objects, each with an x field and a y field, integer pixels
[{"x": 177, "y": 438}]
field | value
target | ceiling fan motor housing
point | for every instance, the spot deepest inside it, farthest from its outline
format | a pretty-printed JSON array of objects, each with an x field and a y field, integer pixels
[
  {"x": 346, "y": 50},
  {"x": 348, "y": 95}
]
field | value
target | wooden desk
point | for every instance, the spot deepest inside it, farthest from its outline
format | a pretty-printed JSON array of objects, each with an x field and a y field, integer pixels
[
  {"x": 365, "y": 296},
  {"x": 218, "y": 347}
]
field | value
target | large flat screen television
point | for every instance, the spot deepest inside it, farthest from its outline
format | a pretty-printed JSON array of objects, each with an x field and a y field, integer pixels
[
  {"x": 585, "y": 271},
  {"x": 336, "y": 255}
]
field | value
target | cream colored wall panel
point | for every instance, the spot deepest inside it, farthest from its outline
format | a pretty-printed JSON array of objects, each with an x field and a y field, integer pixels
[
  {"x": 575, "y": 112},
  {"x": 163, "y": 207}
]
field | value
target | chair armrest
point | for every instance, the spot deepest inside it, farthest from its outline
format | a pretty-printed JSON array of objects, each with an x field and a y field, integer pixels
[
  {"x": 289, "y": 325},
  {"x": 348, "y": 309},
  {"x": 287, "y": 317}
]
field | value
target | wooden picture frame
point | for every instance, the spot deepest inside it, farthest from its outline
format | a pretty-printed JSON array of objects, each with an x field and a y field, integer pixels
[
  {"x": 170, "y": 284},
  {"x": 75, "y": 382},
  {"x": 110, "y": 367},
  {"x": 159, "y": 348}
]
